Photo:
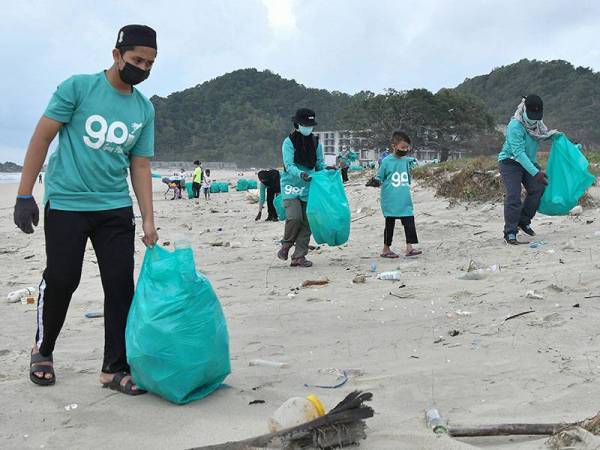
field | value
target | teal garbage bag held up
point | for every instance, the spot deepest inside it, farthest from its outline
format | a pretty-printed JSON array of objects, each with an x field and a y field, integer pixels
[
  {"x": 176, "y": 335},
  {"x": 568, "y": 177},
  {"x": 328, "y": 211}
]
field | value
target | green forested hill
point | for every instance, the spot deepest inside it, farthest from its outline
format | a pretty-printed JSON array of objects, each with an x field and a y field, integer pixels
[
  {"x": 571, "y": 95},
  {"x": 242, "y": 117}
]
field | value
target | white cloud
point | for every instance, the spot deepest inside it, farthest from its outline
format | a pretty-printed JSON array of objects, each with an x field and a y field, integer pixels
[
  {"x": 280, "y": 14},
  {"x": 346, "y": 45}
]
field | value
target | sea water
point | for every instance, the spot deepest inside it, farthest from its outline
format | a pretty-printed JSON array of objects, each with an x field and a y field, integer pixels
[{"x": 9, "y": 177}]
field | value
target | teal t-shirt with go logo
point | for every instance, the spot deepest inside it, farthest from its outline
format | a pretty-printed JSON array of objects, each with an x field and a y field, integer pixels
[
  {"x": 102, "y": 128},
  {"x": 292, "y": 185},
  {"x": 394, "y": 174}
]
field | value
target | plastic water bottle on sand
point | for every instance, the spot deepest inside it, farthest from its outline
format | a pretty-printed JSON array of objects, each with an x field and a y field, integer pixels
[
  {"x": 434, "y": 421},
  {"x": 296, "y": 411},
  {"x": 394, "y": 275},
  {"x": 16, "y": 296}
]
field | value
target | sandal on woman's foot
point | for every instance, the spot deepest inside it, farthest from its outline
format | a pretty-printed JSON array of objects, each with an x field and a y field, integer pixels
[
  {"x": 414, "y": 252},
  {"x": 127, "y": 388},
  {"x": 301, "y": 262},
  {"x": 46, "y": 369},
  {"x": 390, "y": 254}
]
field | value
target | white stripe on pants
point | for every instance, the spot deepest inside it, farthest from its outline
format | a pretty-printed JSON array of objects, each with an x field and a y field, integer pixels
[{"x": 40, "y": 313}]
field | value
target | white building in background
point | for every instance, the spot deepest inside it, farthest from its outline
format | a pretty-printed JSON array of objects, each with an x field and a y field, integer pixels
[{"x": 334, "y": 141}]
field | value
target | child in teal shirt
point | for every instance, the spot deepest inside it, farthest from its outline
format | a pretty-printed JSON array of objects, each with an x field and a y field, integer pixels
[{"x": 396, "y": 202}]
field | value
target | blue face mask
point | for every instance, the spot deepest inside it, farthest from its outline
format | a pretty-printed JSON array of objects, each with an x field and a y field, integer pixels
[
  {"x": 305, "y": 130},
  {"x": 528, "y": 120}
]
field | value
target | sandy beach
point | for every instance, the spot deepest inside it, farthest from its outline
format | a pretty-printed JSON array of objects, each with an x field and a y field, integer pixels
[{"x": 539, "y": 367}]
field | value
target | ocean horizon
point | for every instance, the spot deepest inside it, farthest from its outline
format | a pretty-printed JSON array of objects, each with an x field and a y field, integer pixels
[{"x": 9, "y": 177}]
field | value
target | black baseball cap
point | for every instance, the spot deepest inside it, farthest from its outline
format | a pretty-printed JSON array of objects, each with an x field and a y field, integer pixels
[
  {"x": 305, "y": 117},
  {"x": 534, "y": 106},
  {"x": 132, "y": 35}
]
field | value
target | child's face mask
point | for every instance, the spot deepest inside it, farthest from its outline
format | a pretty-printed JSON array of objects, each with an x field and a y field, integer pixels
[
  {"x": 401, "y": 149},
  {"x": 305, "y": 130}
]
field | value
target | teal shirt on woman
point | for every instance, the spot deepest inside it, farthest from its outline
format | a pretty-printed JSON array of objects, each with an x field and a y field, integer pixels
[
  {"x": 292, "y": 186},
  {"x": 520, "y": 146}
]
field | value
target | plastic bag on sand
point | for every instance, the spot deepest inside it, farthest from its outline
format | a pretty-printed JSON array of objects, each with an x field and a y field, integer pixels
[
  {"x": 328, "y": 211},
  {"x": 242, "y": 185},
  {"x": 568, "y": 178},
  {"x": 278, "y": 203},
  {"x": 176, "y": 335}
]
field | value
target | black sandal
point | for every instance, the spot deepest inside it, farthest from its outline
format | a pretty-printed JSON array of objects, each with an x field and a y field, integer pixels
[
  {"x": 115, "y": 384},
  {"x": 45, "y": 368}
]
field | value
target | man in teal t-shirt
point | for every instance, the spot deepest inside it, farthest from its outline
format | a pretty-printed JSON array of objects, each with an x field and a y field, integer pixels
[
  {"x": 394, "y": 177},
  {"x": 518, "y": 167},
  {"x": 106, "y": 129}
]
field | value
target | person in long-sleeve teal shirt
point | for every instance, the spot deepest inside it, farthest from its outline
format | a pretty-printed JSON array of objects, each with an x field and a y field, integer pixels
[
  {"x": 520, "y": 146},
  {"x": 518, "y": 167},
  {"x": 270, "y": 187},
  {"x": 302, "y": 156}
]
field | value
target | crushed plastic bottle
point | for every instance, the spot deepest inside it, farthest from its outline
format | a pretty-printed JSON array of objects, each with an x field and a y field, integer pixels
[
  {"x": 394, "y": 275},
  {"x": 373, "y": 266},
  {"x": 16, "y": 296},
  {"x": 434, "y": 421}
]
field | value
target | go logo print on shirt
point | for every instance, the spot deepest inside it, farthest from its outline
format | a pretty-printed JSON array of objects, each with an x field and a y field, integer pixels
[
  {"x": 400, "y": 179},
  {"x": 289, "y": 190},
  {"x": 109, "y": 138}
]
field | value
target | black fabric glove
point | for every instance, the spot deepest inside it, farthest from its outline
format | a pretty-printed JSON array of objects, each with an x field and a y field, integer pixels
[
  {"x": 541, "y": 177},
  {"x": 373, "y": 182},
  {"x": 305, "y": 176},
  {"x": 26, "y": 214}
]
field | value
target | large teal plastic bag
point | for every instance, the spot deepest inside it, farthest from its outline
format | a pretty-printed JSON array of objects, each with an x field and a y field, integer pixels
[
  {"x": 176, "y": 335},
  {"x": 328, "y": 211},
  {"x": 568, "y": 178},
  {"x": 278, "y": 203},
  {"x": 242, "y": 185}
]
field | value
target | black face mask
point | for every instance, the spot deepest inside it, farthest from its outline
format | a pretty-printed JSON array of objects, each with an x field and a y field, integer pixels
[{"x": 133, "y": 75}]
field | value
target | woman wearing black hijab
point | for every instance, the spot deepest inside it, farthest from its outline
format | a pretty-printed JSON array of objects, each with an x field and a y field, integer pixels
[{"x": 269, "y": 183}]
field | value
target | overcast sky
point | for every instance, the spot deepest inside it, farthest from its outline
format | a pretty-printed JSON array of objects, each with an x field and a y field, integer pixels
[{"x": 345, "y": 45}]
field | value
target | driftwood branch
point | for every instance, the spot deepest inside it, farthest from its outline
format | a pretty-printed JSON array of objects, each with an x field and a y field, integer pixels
[
  {"x": 513, "y": 429},
  {"x": 507, "y": 429}
]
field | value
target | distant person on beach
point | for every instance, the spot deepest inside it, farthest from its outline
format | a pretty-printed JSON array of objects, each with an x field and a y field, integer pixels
[
  {"x": 178, "y": 185},
  {"x": 106, "y": 129},
  {"x": 382, "y": 156},
  {"x": 302, "y": 157},
  {"x": 343, "y": 163},
  {"x": 197, "y": 180},
  {"x": 206, "y": 183},
  {"x": 394, "y": 177},
  {"x": 270, "y": 184},
  {"x": 518, "y": 166},
  {"x": 40, "y": 179}
]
